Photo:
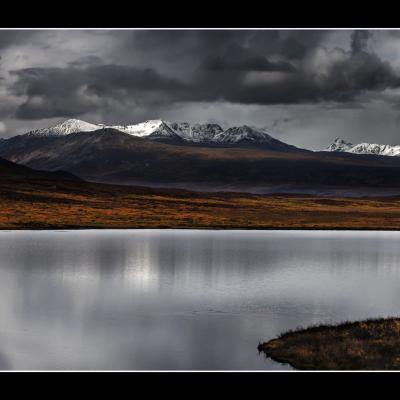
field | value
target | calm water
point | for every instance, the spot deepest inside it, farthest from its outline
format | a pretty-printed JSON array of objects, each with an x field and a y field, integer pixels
[{"x": 157, "y": 300}]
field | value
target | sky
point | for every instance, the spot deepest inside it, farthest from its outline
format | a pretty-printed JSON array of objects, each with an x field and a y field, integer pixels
[{"x": 307, "y": 87}]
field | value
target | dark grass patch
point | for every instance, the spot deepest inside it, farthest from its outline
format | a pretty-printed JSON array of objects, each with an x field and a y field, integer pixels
[{"x": 372, "y": 344}]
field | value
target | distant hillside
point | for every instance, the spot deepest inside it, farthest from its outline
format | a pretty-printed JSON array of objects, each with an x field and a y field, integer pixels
[
  {"x": 10, "y": 171},
  {"x": 111, "y": 156}
]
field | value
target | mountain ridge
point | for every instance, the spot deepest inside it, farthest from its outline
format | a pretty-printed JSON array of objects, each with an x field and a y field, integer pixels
[
  {"x": 111, "y": 156},
  {"x": 341, "y": 145},
  {"x": 208, "y": 133}
]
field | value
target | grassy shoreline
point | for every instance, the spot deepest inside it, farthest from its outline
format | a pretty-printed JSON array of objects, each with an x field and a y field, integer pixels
[
  {"x": 372, "y": 344},
  {"x": 43, "y": 227}
]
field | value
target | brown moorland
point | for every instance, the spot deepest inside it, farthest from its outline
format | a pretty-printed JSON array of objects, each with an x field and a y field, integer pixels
[
  {"x": 41, "y": 201},
  {"x": 364, "y": 345}
]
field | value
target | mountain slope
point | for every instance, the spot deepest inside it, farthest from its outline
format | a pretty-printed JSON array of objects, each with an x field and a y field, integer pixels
[
  {"x": 340, "y": 145},
  {"x": 196, "y": 133},
  {"x": 65, "y": 128},
  {"x": 110, "y": 156},
  {"x": 245, "y": 136},
  {"x": 152, "y": 129},
  {"x": 10, "y": 171}
]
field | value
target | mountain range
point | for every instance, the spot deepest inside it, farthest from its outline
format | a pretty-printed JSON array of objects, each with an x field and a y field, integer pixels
[
  {"x": 207, "y": 134},
  {"x": 340, "y": 145},
  {"x": 166, "y": 131},
  {"x": 200, "y": 157}
]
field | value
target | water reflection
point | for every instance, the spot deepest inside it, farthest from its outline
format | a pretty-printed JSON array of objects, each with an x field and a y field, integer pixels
[{"x": 181, "y": 299}]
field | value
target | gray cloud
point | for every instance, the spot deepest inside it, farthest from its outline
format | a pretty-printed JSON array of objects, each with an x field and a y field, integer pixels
[
  {"x": 86, "y": 61},
  {"x": 236, "y": 72},
  {"x": 359, "y": 40},
  {"x": 14, "y": 37},
  {"x": 5, "y": 362},
  {"x": 125, "y": 76},
  {"x": 70, "y": 91},
  {"x": 238, "y": 58}
]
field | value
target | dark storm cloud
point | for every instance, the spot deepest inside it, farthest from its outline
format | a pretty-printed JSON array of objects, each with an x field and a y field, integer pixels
[
  {"x": 214, "y": 43},
  {"x": 244, "y": 67},
  {"x": 192, "y": 50},
  {"x": 302, "y": 75},
  {"x": 67, "y": 92},
  {"x": 238, "y": 58}
]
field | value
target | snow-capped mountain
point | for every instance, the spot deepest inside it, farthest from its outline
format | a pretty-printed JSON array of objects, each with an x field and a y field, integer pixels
[
  {"x": 340, "y": 145},
  {"x": 65, "y": 128},
  {"x": 243, "y": 134},
  {"x": 151, "y": 129},
  {"x": 198, "y": 132},
  {"x": 208, "y": 133}
]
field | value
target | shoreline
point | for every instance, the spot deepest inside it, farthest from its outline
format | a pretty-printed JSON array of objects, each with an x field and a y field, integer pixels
[
  {"x": 194, "y": 228},
  {"x": 372, "y": 344}
]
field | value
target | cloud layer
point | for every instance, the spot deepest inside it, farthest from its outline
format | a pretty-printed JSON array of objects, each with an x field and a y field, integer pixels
[{"x": 125, "y": 76}]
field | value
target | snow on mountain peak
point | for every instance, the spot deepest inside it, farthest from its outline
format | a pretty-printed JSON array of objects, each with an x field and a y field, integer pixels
[
  {"x": 159, "y": 129},
  {"x": 340, "y": 145},
  {"x": 65, "y": 128},
  {"x": 243, "y": 133},
  {"x": 196, "y": 132},
  {"x": 142, "y": 129}
]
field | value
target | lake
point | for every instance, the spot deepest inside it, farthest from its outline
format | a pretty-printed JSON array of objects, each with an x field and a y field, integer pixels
[{"x": 182, "y": 299}]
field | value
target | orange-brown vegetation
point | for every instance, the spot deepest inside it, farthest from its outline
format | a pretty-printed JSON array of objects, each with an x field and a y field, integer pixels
[{"x": 40, "y": 204}]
